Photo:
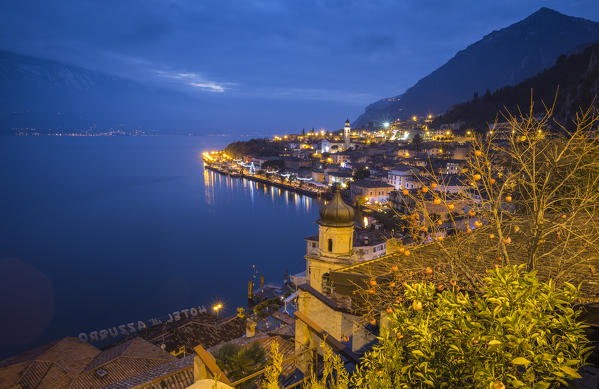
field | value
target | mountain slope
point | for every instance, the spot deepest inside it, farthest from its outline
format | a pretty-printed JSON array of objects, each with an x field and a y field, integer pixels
[
  {"x": 36, "y": 92},
  {"x": 504, "y": 57},
  {"x": 577, "y": 77}
]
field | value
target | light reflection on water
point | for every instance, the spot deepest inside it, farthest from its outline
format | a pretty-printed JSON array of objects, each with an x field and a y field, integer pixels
[
  {"x": 129, "y": 228},
  {"x": 215, "y": 182}
]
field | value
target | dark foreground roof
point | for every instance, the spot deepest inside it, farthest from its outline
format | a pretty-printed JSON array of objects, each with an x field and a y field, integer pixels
[{"x": 473, "y": 262}]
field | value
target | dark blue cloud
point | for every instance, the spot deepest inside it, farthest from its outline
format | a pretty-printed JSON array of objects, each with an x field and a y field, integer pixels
[{"x": 320, "y": 60}]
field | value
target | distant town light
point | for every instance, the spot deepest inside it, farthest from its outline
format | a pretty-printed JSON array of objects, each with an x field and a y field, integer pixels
[
  {"x": 414, "y": 118},
  {"x": 386, "y": 124}
]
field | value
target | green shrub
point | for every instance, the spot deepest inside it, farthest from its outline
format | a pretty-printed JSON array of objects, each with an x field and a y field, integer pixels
[
  {"x": 238, "y": 362},
  {"x": 519, "y": 333}
]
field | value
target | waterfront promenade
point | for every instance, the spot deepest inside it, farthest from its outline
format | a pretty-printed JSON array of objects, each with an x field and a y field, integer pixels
[{"x": 304, "y": 188}]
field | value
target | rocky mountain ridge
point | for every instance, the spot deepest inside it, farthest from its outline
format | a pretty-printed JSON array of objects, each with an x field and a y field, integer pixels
[{"x": 504, "y": 57}]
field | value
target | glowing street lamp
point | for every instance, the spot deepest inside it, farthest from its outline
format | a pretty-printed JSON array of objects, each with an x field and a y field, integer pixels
[
  {"x": 216, "y": 308},
  {"x": 386, "y": 124}
]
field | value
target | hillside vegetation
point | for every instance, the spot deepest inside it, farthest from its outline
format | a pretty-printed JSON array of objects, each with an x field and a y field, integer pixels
[{"x": 575, "y": 79}]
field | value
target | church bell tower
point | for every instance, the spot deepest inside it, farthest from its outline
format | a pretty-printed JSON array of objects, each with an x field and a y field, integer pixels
[
  {"x": 335, "y": 241},
  {"x": 346, "y": 135}
]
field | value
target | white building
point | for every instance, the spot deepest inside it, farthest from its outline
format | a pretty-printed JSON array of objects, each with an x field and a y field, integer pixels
[
  {"x": 404, "y": 177},
  {"x": 324, "y": 146},
  {"x": 372, "y": 190}
]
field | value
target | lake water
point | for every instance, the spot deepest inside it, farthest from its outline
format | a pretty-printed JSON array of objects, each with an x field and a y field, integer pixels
[{"x": 101, "y": 231}]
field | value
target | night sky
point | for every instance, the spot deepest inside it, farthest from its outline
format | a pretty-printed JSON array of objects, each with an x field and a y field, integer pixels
[{"x": 286, "y": 64}]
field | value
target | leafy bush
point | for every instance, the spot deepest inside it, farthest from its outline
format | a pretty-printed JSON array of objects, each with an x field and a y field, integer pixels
[
  {"x": 264, "y": 308},
  {"x": 518, "y": 333},
  {"x": 334, "y": 374},
  {"x": 274, "y": 368},
  {"x": 238, "y": 362}
]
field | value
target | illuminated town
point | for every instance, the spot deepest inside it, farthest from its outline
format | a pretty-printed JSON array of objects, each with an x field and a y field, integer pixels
[
  {"x": 442, "y": 238},
  {"x": 388, "y": 159}
]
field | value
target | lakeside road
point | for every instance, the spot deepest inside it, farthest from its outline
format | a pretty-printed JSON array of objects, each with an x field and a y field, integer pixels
[{"x": 307, "y": 191}]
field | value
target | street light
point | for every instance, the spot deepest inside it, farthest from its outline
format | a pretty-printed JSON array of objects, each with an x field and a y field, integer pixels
[
  {"x": 216, "y": 308},
  {"x": 386, "y": 124}
]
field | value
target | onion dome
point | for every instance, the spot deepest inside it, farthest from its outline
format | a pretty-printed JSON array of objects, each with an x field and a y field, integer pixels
[
  {"x": 336, "y": 213},
  {"x": 347, "y": 122}
]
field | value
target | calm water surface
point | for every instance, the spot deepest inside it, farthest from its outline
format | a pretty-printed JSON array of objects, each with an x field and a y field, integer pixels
[{"x": 96, "y": 232}]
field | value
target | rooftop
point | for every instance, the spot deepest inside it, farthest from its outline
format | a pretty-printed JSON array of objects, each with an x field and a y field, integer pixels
[
  {"x": 375, "y": 237},
  {"x": 472, "y": 263},
  {"x": 366, "y": 183}
]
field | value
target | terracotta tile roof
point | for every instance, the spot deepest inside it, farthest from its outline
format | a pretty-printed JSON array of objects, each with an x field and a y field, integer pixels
[
  {"x": 366, "y": 183},
  {"x": 107, "y": 356},
  {"x": 374, "y": 237},
  {"x": 286, "y": 349},
  {"x": 55, "y": 378},
  {"x": 121, "y": 362},
  {"x": 241, "y": 341},
  {"x": 200, "y": 331},
  {"x": 33, "y": 375},
  {"x": 9, "y": 375},
  {"x": 55, "y": 352},
  {"x": 285, "y": 330},
  {"x": 71, "y": 364},
  {"x": 177, "y": 374},
  {"x": 53, "y": 365},
  {"x": 28, "y": 356},
  {"x": 117, "y": 370},
  {"x": 583, "y": 271},
  {"x": 136, "y": 347}
]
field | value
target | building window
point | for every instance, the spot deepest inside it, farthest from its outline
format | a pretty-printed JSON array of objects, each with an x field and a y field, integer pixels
[{"x": 330, "y": 244}]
